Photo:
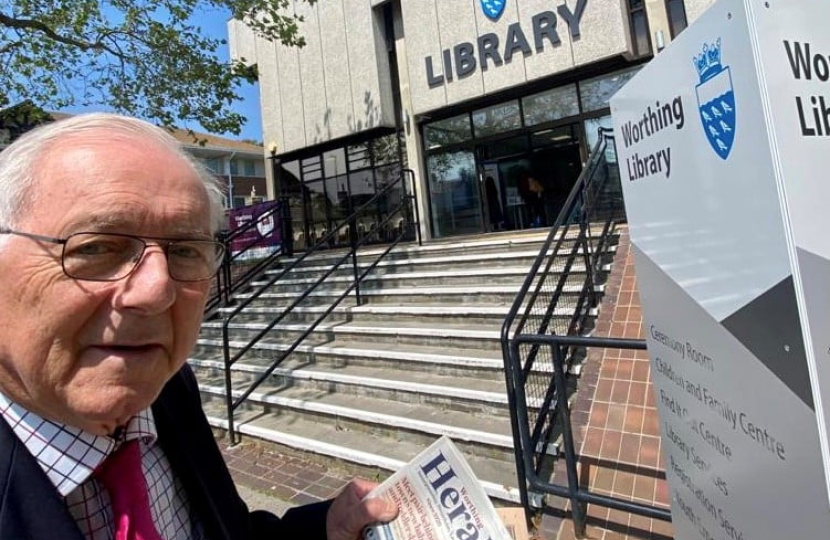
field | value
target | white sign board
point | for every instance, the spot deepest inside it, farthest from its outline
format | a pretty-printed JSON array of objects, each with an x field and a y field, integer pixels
[{"x": 724, "y": 151}]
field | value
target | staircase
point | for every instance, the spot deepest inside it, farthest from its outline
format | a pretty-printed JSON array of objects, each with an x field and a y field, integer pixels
[{"x": 376, "y": 383}]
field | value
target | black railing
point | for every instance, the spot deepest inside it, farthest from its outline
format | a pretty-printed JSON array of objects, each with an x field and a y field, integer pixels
[
  {"x": 242, "y": 264},
  {"x": 398, "y": 219},
  {"x": 578, "y": 495},
  {"x": 556, "y": 300}
]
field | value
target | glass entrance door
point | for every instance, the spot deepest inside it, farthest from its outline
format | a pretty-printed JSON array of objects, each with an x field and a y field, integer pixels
[
  {"x": 532, "y": 175},
  {"x": 508, "y": 183},
  {"x": 454, "y": 194}
]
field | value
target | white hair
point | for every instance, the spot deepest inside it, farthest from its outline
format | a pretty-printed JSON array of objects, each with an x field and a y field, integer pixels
[{"x": 18, "y": 162}]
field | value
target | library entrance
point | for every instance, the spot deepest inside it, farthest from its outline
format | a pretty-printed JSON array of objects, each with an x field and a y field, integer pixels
[{"x": 504, "y": 184}]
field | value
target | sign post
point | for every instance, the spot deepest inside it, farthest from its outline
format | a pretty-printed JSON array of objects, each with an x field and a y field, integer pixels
[{"x": 724, "y": 150}]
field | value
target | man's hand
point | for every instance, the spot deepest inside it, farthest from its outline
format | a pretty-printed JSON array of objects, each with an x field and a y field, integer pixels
[{"x": 349, "y": 513}]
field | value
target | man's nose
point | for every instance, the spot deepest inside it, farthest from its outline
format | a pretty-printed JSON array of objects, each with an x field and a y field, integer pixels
[{"x": 149, "y": 287}]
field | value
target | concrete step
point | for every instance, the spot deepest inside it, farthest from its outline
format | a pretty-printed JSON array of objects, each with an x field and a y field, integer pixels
[
  {"x": 481, "y": 391},
  {"x": 397, "y": 277},
  {"x": 498, "y": 478},
  {"x": 375, "y": 383},
  {"x": 504, "y": 243},
  {"x": 412, "y": 262},
  {"x": 380, "y": 333},
  {"x": 407, "y": 315},
  {"x": 437, "y": 295},
  {"x": 480, "y": 435}
]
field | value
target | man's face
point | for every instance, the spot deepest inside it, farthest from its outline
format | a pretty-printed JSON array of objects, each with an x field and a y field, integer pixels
[{"x": 92, "y": 354}]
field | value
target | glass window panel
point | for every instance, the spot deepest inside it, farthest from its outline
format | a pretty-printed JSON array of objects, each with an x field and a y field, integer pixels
[
  {"x": 312, "y": 169},
  {"x": 317, "y": 210},
  {"x": 385, "y": 149},
  {"x": 292, "y": 168},
  {"x": 234, "y": 166},
  {"x": 454, "y": 194},
  {"x": 212, "y": 164},
  {"x": 596, "y": 92},
  {"x": 337, "y": 194},
  {"x": 641, "y": 37},
  {"x": 497, "y": 119},
  {"x": 362, "y": 185},
  {"x": 334, "y": 163},
  {"x": 553, "y": 137},
  {"x": 444, "y": 132},
  {"x": 387, "y": 204},
  {"x": 358, "y": 156},
  {"x": 677, "y": 16},
  {"x": 292, "y": 188},
  {"x": 250, "y": 168},
  {"x": 505, "y": 147},
  {"x": 551, "y": 105},
  {"x": 592, "y": 126}
]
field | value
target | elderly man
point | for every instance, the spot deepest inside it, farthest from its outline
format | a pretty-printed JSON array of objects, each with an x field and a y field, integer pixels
[{"x": 106, "y": 254}]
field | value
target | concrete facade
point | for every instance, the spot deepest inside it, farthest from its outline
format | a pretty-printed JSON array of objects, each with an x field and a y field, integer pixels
[
  {"x": 337, "y": 85},
  {"x": 532, "y": 39},
  {"x": 451, "y": 58}
]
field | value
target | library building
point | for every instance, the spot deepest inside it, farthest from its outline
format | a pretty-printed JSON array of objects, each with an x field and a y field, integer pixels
[{"x": 477, "y": 104}]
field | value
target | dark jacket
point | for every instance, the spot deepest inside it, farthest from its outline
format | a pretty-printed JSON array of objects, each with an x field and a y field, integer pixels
[{"x": 31, "y": 508}]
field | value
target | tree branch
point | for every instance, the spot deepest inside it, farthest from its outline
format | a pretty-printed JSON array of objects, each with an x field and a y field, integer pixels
[
  {"x": 38, "y": 26},
  {"x": 9, "y": 46}
]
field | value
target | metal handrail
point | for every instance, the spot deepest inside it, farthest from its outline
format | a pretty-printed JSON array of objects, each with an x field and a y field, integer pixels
[
  {"x": 405, "y": 208},
  {"x": 573, "y": 239},
  {"x": 578, "y": 495},
  {"x": 226, "y": 284}
]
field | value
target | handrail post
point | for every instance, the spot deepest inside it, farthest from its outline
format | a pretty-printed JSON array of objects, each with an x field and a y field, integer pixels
[
  {"x": 511, "y": 375},
  {"x": 414, "y": 202},
  {"x": 287, "y": 227},
  {"x": 577, "y": 511},
  {"x": 228, "y": 385},
  {"x": 516, "y": 332},
  {"x": 224, "y": 292},
  {"x": 353, "y": 243},
  {"x": 242, "y": 349}
]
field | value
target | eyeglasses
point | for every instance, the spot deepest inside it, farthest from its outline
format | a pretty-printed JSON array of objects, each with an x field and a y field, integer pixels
[{"x": 93, "y": 256}]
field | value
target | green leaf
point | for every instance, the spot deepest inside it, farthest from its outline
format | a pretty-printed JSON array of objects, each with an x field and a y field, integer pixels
[{"x": 140, "y": 57}]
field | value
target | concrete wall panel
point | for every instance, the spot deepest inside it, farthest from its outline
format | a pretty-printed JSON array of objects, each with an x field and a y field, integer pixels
[
  {"x": 337, "y": 85},
  {"x": 422, "y": 40},
  {"x": 553, "y": 58},
  {"x": 602, "y": 31},
  {"x": 369, "y": 68},
  {"x": 383, "y": 80},
  {"x": 695, "y": 8},
  {"x": 312, "y": 79},
  {"x": 457, "y": 24},
  {"x": 335, "y": 62},
  {"x": 270, "y": 94},
  {"x": 495, "y": 77},
  {"x": 291, "y": 98},
  {"x": 602, "y": 34},
  {"x": 241, "y": 41}
]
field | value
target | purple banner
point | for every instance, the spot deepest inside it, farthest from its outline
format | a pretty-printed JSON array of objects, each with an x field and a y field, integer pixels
[{"x": 256, "y": 230}]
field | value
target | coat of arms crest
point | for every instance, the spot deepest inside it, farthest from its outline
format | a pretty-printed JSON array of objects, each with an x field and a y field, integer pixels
[{"x": 715, "y": 99}]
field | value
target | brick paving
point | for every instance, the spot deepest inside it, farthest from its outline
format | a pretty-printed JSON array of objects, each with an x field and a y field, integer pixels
[
  {"x": 289, "y": 478},
  {"x": 615, "y": 424}
]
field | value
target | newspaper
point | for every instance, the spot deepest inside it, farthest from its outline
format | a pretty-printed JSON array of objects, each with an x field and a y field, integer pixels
[{"x": 439, "y": 498}]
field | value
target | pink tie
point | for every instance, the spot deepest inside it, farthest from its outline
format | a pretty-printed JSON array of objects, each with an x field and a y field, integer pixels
[{"x": 123, "y": 479}]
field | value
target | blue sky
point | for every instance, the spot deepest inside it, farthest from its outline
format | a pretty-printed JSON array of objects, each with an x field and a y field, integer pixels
[{"x": 214, "y": 24}]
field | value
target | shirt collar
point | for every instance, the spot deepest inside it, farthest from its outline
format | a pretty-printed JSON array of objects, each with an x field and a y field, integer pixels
[{"x": 66, "y": 454}]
